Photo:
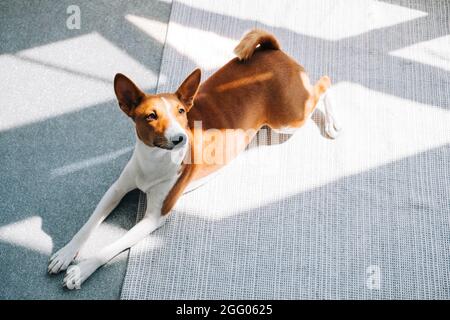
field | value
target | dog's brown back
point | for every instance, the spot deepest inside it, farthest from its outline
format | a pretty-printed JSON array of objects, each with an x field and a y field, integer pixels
[{"x": 262, "y": 86}]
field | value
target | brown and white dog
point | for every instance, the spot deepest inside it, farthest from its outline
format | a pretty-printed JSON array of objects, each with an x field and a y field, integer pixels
[{"x": 262, "y": 86}]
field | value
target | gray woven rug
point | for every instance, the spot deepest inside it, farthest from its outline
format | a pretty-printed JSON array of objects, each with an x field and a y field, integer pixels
[{"x": 363, "y": 217}]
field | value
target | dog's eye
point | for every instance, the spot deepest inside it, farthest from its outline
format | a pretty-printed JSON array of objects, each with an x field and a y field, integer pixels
[
  {"x": 152, "y": 116},
  {"x": 181, "y": 111}
]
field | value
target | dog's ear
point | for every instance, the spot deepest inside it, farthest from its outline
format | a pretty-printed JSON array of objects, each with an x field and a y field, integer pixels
[
  {"x": 127, "y": 93},
  {"x": 188, "y": 89}
]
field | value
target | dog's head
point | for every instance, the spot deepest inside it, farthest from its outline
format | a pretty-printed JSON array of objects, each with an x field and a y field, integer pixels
[{"x": 160, "y": 119}]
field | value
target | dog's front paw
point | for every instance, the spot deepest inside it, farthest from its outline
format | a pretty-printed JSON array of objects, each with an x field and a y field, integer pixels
[
  {"x": 78, "y": 273},
  {"x": 62, "y": 258}
]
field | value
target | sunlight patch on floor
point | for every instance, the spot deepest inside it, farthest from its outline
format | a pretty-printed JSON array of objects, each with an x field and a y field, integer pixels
[
  {"x": 207, "y": 49},
  {"x": 315, "y": 18},
  {"x": 435, "y": 52},
  {"x": 63, "y": 76},
  {"x": 153, "y": 28},
  {"x": 27, "y": 233},
  {"x": 80, "y": 165}
]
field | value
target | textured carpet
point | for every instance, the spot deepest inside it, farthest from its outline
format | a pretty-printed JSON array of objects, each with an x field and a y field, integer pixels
[{"x": 363, "y": 217}]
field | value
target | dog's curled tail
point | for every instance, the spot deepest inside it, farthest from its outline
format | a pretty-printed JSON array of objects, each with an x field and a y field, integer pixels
[{"x": 251, "y": 40}]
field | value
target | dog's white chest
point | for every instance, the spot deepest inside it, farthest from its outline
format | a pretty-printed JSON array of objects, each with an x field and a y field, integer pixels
[{"x": 152, "y": 166}]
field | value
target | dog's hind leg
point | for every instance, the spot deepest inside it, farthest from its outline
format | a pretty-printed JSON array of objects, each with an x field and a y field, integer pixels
[
  {"x": 316, "y": 93},
  {"x": 323, "y": 92},
  {"x": 332, "y": 126}
]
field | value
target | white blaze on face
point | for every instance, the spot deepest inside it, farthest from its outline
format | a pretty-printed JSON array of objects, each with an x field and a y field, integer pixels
[{"x": 174, "y": 132}]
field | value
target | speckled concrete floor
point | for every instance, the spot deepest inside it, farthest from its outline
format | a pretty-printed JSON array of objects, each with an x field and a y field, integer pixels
[{"x": 63, "y": 139}]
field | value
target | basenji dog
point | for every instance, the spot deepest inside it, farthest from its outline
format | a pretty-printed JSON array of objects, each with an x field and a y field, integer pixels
[{"x": 262, "y": 86}]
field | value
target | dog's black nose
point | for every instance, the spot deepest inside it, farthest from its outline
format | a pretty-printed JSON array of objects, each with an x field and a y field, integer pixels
[{"x": 177, "y": 139}]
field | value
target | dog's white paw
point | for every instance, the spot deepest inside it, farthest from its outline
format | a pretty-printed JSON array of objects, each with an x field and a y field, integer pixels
[
  {"x": 332, "y": 129},
  {"x": 78, "y": 273},
  {"x": 62, "y": 258}
]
